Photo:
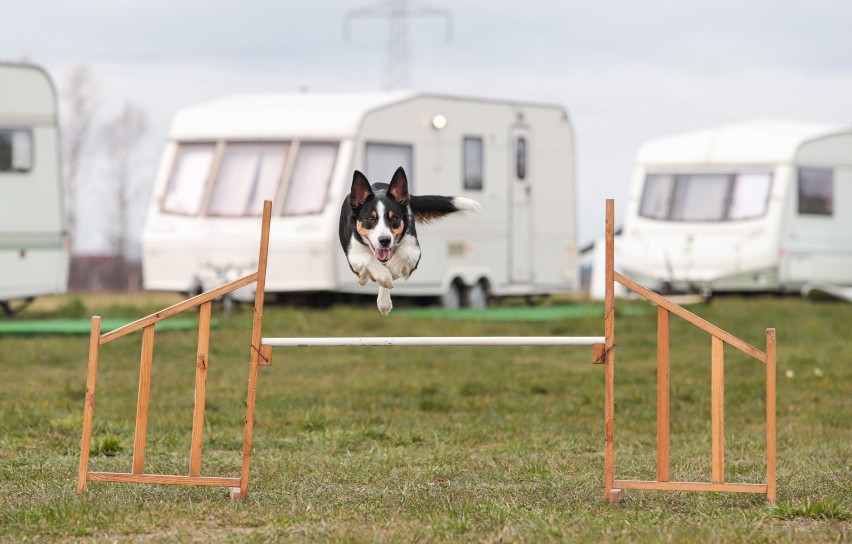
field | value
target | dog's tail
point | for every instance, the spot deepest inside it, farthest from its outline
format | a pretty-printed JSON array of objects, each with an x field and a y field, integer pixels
[{"x": 428, "y": 208}]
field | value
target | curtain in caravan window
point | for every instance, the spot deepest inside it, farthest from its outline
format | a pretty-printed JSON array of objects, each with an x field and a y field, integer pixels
[
  {"x": 656, "y": 196},
  {"x": 188, "y": 178},
  {"x": 700, "y": 197},
  {"x": 750, "y": 195},
  {"x": 382, "y": 160},
  {"x": 308, "y": 187},
  {"x": 248, "y": 175}
]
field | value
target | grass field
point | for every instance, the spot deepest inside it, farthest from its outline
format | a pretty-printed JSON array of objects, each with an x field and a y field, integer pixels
[{"x": 428, "y": 444}]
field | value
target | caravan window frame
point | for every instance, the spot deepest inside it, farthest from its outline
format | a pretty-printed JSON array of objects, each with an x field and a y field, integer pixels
[
  {"x": 676, "y": 197},
  {"x": 12, "y": 146}
]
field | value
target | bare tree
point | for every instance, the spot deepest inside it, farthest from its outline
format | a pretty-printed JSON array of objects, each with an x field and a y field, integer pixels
[
  {"x": 81, "y": 101},
  {"x": 121, "y": 138}
]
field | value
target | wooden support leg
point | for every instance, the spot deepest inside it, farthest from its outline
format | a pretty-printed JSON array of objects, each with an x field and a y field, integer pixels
[
  {"x": 662, "y": 394},
  {"x": 616, "y": 495},
  {"x": 200, "y": 389},
  {"x": 89, "y": 406},
  {"x": 609, "y": 364},
  {"x": 770, "y": 416},
  {"x": 142, "y": 400},
  {"x": 254, "y": 361},
  {"x": 717, "y": 410}
]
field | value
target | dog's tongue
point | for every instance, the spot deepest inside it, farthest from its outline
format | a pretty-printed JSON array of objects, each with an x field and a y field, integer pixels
[{"x": 382, "y": 254}]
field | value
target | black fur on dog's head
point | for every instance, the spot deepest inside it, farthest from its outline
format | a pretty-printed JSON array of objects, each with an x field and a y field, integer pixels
[{"x": 380, "y": 213}]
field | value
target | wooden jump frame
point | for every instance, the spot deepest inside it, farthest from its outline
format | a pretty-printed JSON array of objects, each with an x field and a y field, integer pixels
[{"x": 603, "y": 352}]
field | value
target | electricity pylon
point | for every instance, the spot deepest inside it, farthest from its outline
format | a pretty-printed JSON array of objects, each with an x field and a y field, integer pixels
[{"x": 397, "y": 12}]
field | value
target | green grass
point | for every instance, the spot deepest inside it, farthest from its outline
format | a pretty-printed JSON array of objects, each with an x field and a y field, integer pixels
[{"x": 429, "y": 444}]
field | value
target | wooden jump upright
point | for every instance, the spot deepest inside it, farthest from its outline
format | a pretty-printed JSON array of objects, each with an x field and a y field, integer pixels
[
  {"x": 238, "y": 485},
  {"x": 718, "y": 339},
  {"x": 603, "y": 349}
]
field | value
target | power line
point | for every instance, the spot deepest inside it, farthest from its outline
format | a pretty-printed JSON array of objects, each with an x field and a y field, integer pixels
[{"x": 398, "y": 13}]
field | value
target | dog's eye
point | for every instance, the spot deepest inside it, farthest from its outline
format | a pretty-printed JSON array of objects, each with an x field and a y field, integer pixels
[{"x": 394, "y": 222}]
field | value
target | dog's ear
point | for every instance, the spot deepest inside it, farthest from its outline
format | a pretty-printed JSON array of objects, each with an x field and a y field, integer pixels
[
  {"x": 398, "y": 189},
  {"x": 361, "y": 190}
]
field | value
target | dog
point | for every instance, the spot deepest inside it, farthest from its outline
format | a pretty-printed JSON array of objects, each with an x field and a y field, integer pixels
[{"x": 377, "y": 229}]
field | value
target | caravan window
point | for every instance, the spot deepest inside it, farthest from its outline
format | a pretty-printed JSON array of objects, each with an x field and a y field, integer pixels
[
  {"x": 247, "y": 175},
  {"x": 472, "y": 162},
  {"x": 700, "y": 197},
  {"x": 382, "y": 160},
  {"x": 16, "y": 150},
  {"x": 656, "y": 197},
  {"x": 521, "y": 157},
  {"x": 816, "y": 191},
  {"x": 308, "y": 187},
  {"x": 188, "y": 178},
  {"x": 750, "y": 196},
  {"x": 705, "y": 196}
]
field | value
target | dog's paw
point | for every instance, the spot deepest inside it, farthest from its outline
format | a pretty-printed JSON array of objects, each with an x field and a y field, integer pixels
[
  {"x": 384, "y": 278},
  {"x": 362, "y": 279},
  {"x": 383, "y": 302}
]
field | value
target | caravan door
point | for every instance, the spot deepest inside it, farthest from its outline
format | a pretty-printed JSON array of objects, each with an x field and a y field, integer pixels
[{"x": 520, "y": 206}]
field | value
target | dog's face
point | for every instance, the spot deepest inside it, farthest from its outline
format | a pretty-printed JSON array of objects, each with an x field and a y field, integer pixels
[{"x": 380, "y": 213}]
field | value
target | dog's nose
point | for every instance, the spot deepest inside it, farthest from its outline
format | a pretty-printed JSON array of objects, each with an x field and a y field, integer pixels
[{"x": 385, "y": 241}]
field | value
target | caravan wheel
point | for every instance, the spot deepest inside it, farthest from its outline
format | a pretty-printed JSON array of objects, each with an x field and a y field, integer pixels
[
  {"x": 453, "y": 298},
  {"x": 477, "y": 296}
]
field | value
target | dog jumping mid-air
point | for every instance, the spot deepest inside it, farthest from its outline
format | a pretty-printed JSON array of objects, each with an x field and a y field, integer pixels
[{"x": 377, "y": 229}]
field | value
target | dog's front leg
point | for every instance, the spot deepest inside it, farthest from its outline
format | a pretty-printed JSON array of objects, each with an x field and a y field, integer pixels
[
  {"x": 380, "y": 274},
  {"x": 365, "y": 267},
  {"x": 405, "y": 259},
  {"x": 383, "y": 302},
  {"x": 362, "y": 277}
]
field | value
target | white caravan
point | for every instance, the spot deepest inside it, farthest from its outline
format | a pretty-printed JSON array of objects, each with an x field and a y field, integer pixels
[
  {"x": 223, "y": 158},
  {"x": 754, "y": 206},
  {"x": 33, "y": 238}
]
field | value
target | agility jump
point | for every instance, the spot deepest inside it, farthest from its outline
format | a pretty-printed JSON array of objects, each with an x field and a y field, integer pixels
[{"x": 603, "y": 352}]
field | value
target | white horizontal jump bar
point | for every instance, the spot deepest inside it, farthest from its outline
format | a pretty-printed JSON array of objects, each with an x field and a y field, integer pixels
[{"x": 436, "y": 341}]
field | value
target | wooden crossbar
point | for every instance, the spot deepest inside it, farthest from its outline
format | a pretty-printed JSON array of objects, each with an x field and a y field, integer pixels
[
  {"x": 175, "y": 309},
  {"x": 162, "y": 479},
  {"x": 435, "y": 341},
  {"x": 690, "y": 486},
  {"x": 690, "y": 317}
]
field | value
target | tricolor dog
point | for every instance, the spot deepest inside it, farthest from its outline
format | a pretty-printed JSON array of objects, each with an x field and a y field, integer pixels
[{"x": 377, "y": 229}]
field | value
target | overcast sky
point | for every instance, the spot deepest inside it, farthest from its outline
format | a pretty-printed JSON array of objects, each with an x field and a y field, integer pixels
[{"x": 626, "y": 71}]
